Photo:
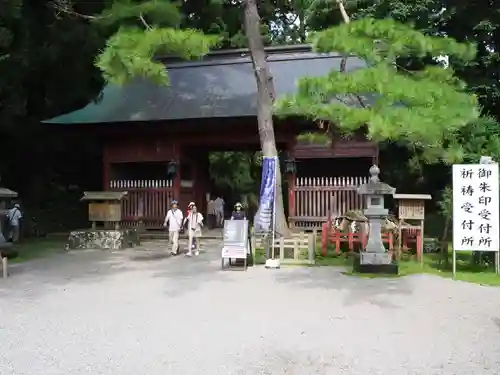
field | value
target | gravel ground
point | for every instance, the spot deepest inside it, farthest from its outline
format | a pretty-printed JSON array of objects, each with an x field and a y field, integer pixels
[{"x": 137, "y": 313}]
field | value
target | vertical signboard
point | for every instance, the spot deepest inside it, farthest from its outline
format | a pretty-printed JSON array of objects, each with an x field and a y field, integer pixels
[{"x": 475, "y": 208}]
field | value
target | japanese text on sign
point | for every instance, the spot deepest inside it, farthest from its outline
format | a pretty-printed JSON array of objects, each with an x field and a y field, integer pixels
[{"x": 475, "y": 207}]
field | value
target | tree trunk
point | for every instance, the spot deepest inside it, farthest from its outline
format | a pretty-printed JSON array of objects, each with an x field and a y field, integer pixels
[{"x": 265, "y": 98}]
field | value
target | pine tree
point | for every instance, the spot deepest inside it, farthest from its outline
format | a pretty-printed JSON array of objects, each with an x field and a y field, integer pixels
[
  {"x": 422, "y": 108},
  {"x": 265, "y": 98},
  {"x": 145, "y": 30}
]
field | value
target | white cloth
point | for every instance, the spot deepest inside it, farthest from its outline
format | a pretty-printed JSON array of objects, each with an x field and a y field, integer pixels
[
  {"x": 195, "y": 221},
  {"x": 192, "y": 236},
  {"x": 14, "y": 215},
  {"x": 173, "y": 237},
  {"x": 174, "y": 220}
]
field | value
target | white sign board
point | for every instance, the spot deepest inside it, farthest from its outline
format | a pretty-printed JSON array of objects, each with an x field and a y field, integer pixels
[
  {"x": 234, "y": 252},
  {"x": 475, "y": 207},
  {"x": 235, "y": 239}
]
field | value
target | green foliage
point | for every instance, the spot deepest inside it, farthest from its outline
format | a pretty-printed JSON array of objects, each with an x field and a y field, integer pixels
[
  {"x": 471, "y": 21},
  {"x": 479, "y": 138},
  {"x": 234, "y": 170},
  {"x": 131, "y": 52},
  {"x": 422, "y": 109},
  {"x": 385, "y": 40},
  {"x": 155, "y": 13},
  {"x": 315, "y": 138}
]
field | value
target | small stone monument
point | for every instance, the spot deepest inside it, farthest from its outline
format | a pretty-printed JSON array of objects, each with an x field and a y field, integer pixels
[{"x": 375, "y": 258}]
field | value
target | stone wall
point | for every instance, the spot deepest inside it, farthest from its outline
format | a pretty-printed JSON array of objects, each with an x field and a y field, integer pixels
[{"x": 102, "y": 239}]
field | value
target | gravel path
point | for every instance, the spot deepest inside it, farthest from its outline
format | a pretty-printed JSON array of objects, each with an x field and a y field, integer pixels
[{"x": 135, "y": 313}]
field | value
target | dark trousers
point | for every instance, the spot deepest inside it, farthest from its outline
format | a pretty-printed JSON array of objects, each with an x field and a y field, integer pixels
[
  {"x": 14, "y": 233},
  {"x": 211, "y": 221}
]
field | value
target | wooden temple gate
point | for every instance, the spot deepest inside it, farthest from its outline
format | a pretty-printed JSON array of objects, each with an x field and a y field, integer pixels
[
  {"x": 147, "y": 202},
  {"x": 313, "y": 200}
]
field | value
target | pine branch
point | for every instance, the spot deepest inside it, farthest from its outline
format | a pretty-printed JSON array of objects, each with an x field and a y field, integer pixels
[
  {"x": 343, "y": 62},
  {"x": 146, "y": 25},
  {"x": 64, "y": 6}
]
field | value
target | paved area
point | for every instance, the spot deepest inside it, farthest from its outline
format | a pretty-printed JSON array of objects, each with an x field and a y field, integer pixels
[{"x": 136, "y": 312}]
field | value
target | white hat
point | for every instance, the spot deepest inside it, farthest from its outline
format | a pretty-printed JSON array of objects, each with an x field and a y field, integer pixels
[{"x": 191, "y": 204}]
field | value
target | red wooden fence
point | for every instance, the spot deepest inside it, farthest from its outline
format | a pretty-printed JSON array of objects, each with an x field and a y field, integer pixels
[
  {"x": 148, "y": 201},
  {"x": 315, "y": 198}
]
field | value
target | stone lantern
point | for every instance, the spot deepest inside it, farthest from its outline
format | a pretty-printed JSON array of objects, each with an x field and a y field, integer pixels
[{"x": 375, "y": 258}]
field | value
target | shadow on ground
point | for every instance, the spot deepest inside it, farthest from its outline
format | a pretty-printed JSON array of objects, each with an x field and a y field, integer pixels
[
  {"x": 358, "y": 289},
  {"x": 181, "y": 274}
]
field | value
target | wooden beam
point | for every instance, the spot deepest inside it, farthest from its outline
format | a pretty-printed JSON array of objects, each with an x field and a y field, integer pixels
[{"x": 340, "y": 149}]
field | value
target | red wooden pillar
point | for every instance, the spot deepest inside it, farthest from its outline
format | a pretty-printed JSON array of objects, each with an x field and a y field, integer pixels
[
  {"x": 291, "y": 178},
  {"x": 177, "y": 178},
  {"x": 201, "y": 180}
]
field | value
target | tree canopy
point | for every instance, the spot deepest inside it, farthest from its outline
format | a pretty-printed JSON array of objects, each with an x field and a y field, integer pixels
[
  {"x": 422, "y": 108},
  {"x": 147, "y": 30}
]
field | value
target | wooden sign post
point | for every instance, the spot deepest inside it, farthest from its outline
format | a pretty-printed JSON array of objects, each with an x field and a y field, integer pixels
[
  {"x": 105, "y": 207},
  {"x": 411, "y": 207}
]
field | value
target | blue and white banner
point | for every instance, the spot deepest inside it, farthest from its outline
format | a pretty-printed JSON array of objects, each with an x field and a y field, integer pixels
[{"x": 264, "y": 220}]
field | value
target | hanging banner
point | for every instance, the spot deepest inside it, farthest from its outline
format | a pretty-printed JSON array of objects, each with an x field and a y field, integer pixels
[{"x": 264, "y": 219}]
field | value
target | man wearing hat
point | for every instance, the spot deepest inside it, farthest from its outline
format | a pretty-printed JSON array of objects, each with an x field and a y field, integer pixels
[
  {"x": 194, "y": 224},
  {"x": 238, "y": 213},
  {"x": 174, "y": 221}
]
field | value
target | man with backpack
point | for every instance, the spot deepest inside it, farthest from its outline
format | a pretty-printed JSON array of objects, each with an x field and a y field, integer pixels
[
  {"x": 174, "y": 221},
  {"x": 13, "y": 217}
]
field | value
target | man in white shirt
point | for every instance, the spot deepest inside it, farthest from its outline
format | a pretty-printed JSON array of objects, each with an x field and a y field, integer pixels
[
  {"x": 14, "y": 216},
  {"x": 194, "y": 222},
  {"x": 174, "y": 220}
]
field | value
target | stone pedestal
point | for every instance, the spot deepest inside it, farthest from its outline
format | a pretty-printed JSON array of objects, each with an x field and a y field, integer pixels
[
  {"x": 379, "y": 264},
  {"x": 102, "y": 239}
]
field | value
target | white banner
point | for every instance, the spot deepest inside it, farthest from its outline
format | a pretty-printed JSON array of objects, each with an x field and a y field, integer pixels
[{"x": 475, "y": 207}]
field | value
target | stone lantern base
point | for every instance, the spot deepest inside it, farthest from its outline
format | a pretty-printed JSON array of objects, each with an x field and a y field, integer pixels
[{"x": 361, "y": 266}]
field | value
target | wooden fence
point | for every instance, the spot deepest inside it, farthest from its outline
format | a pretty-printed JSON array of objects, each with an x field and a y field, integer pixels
[
  {"x": 316, "y": 198},
  {"x": 147, "y": 203},
  {"x": 299, "y": 248}
]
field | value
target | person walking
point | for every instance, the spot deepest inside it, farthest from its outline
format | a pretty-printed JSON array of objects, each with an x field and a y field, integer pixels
[
  {"x": 184, "y": 224},
  {"x": 219, "y": 211},
  {"x": 14, "y": 215},
  {"x": 211, "y": 216},
  {"x": 194, "y": 225},
  {"x": 174, "y": 220}
]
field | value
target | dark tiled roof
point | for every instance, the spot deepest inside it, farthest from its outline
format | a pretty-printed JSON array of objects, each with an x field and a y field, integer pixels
[{"x": 221, "y": 85}]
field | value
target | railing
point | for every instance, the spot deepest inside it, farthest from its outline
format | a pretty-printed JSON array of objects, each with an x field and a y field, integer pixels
[
  {"x": 147, "y": 201},
  {"x": 316, "y": 198},
  {"x": 139, "y": 184}
]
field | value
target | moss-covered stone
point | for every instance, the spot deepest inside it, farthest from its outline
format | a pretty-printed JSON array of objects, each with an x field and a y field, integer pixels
[{"x": 103, "y": 239}]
